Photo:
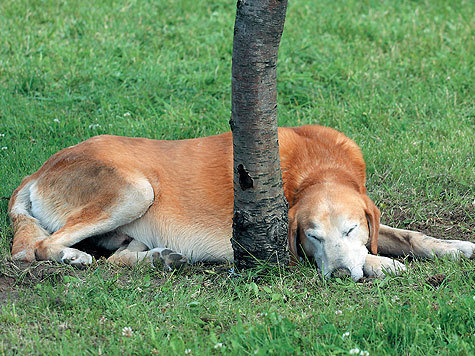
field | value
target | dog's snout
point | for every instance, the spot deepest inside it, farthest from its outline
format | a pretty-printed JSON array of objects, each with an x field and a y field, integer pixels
[{"x": 357, "y": 274}]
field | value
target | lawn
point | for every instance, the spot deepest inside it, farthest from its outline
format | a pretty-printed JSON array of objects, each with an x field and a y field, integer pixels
[{"x": 396, "y": 76}]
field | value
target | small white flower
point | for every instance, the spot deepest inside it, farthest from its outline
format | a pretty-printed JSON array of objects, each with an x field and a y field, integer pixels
[
  {"x": 94, "y": 126},
  {"x": 345, "y": 335},
  {"x": 127, "y": 331},
  {"x": 57, "y": 120},
  {"x": 2, "y": 135},
  {"x": 4, "y": 148},
  {"x": 364, "y": 353},
  {"x": 127, "y": 114},
  {"x": 450, "y": 302},
  {"x": 394, "y": 299},
  {"x": 218, "y": 345},
  {"x": 188, "y": 351},
  {"x": 354, "y": 351},
  {"x": 338, "y": 312},
  {"x": 474, "y": 297}
]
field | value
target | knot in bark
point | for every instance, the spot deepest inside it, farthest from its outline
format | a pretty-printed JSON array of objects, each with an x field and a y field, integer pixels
[{"x": 245, "y": 180}]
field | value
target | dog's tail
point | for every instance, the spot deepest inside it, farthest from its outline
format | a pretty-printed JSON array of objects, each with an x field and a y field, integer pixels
[{"x": 26, "y": 228}]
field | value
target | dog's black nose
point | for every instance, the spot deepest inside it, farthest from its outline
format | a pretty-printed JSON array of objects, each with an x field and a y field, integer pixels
[{"x": 341, "y": 272}]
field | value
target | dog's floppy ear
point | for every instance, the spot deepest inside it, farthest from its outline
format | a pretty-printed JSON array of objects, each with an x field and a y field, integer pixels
[
  {"x": 372, "y": 215},
  {"x": 292, "y": 236}
]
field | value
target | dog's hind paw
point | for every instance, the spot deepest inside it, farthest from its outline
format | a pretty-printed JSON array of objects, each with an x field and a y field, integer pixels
[
  {"x": 76, "y": 258},
  {"x": 167, "y": 258}
]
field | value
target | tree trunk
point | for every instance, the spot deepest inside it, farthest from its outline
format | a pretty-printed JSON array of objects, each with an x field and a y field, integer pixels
[{"x": 260, "y": 221}]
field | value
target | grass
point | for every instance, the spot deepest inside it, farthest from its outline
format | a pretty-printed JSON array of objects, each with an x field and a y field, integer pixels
[
  {"x": 62, "y": 311},
  {"x": 396, "y": 76}
]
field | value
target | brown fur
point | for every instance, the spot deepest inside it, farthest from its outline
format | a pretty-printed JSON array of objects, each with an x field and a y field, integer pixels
[
  {"x": 181, "y": 193},
  {"x": 72, "y": 176}
]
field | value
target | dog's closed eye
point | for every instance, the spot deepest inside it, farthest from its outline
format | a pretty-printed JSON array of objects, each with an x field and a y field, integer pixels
[
  {"x": 347, "y": 233},
  {"x": 314, "y": 237}
]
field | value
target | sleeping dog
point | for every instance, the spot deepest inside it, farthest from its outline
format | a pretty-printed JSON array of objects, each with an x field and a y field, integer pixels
[{"x": 172, "y": 201}]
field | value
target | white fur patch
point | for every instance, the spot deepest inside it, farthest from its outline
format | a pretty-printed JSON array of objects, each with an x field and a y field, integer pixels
[
  {"x": 379, "y": 267},
  {"x": 197, "y": 244},
  {"x": 22, "y": 202},
  {"x": 75, "y": 257},
  {"x": 337, "y": 245},
  {"x": 41, "y": 210}
]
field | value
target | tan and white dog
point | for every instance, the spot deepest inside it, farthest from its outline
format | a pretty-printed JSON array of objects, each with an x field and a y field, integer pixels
[{"x": 172, "y": 201}]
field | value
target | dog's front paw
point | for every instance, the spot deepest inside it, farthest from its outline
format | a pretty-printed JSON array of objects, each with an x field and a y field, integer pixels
[
  {"x": 169, "y": 259},
  {"x": 75, "y": 258},
  {"x": 457, "y": 248},
  {"x": 379, "y": 267}
]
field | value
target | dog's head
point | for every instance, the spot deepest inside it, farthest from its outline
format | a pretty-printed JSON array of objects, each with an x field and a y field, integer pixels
[{"x": 332, "y": 225}]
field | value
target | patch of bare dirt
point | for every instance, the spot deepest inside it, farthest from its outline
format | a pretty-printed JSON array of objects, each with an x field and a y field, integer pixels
[
  {"x": 457, "y": 223},
  {"x": 15, "y": 276},
  {"x": 436, "y": 280},
  {"x": 7, "y": 291}
]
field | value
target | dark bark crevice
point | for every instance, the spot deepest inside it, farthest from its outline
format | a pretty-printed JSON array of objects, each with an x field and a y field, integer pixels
[{"x": 245, "y": 180}]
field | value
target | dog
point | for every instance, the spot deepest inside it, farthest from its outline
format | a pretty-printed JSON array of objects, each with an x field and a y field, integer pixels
[{"x": 171, "y": 202}]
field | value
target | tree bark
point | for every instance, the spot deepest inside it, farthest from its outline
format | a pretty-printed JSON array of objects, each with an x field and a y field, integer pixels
[{"x": 260, "y": 222}]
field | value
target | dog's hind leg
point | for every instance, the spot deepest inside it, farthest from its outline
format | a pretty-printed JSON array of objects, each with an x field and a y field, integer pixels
[
  {"x": 137, "y": 252},
  {"x": 399, "y": 242},
  {"x": 27, "y": 233},
  {"x": 99, "y": 216},
  {"x": 27, "y": 229}
]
